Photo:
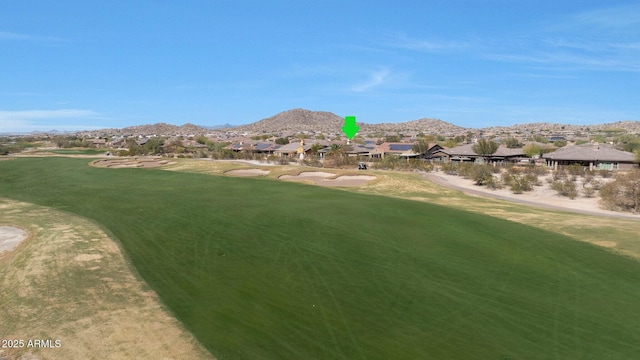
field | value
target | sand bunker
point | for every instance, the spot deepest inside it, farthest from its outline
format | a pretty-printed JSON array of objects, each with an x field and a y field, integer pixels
[
  {"x": 248, "y": 172},
  {"x": 10, "y": 237},
  {"x": 120, "y": 163},
  {"x": 324, "y": 179}
]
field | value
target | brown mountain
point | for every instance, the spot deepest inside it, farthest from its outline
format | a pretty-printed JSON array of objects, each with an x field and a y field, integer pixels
[
  {"x": 632, "y": 127},
  {"x": 296, "y": 120},
  {"x": 162, "y": 129},
  {"x": 326, "y": 122}
]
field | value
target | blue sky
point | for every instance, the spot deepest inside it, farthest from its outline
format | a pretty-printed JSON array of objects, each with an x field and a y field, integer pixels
[{"x": 71, "y": 65}]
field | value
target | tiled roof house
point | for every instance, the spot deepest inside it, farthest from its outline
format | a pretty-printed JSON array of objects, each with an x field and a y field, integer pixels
[
  {"x": 466, "y": 153},
  {"x": 595, "y": 156}
]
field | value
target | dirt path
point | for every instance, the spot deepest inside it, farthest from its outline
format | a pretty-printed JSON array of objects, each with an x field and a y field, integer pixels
[{"x": 455, "y": 183}]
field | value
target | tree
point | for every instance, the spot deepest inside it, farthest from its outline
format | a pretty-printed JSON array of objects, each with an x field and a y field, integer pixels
[
  {"x": 315, "y": 148},
  {"x": 335, "y": 149},
  {"x": 282, "y": 141},
  {"x": 153, "y": 146},
  {"x": 532, "y": 150},
  {"x": 176, "y": 147},
  {"x": 421, "y": 146},
  {"x": 336, "y": 153},
  {"x": 512, "y": 142},
  {"x": 485, "y": 147},
  {"x": 452, "y": 142}
]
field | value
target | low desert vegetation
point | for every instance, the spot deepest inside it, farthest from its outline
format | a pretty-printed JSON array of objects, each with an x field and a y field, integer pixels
[
  {"x": 257, "y": 268},
  {"x": 623, "y": 193}
]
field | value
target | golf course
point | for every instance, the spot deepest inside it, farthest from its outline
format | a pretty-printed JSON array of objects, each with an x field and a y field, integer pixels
[{"x": 258, "y": 268}]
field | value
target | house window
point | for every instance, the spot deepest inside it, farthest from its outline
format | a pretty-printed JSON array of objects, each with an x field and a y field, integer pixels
[{"x": 615, "y": 166}]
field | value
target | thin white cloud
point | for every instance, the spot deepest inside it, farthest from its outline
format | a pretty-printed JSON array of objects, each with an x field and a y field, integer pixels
[
  {"x": 45, "y": 114},
  {"x": 573, "y": 61},
  {"x": 12, "y": 36},
  {"x": 44, "y": 120},
  {"x": 403, "y": 41},
  {"x": 376, "y": 78},
  {"x": 616, "y": 18}
]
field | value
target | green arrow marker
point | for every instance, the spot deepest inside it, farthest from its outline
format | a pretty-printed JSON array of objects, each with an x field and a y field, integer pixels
[{"x": 350, "y": 128}]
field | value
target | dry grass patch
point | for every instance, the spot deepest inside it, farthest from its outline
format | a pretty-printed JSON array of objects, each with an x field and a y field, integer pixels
[{"x": 70, "y": 282}]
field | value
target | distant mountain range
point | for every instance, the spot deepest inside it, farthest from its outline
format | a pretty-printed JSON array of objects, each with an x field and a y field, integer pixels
[{"x": 299, "y": 120}]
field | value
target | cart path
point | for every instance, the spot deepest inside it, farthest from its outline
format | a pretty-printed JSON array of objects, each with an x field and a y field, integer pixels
[{"x": 442, "y": 181}]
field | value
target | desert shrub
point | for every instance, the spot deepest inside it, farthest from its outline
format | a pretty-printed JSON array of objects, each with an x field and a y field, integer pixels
[
  {"x": 513, "y": 170},
  {"x": 419, "y": 164},
  {"x": 464, "y": 169},
  {"x": 481, "y": 173},
  {"x": 536, "y": 170},
  {"x": 519, "y": 184},
  {"x": 283, "y": 160},
  {"x": 533, "y": 179},
  {"x": 565, "y": 188},
  {"x": 559, "y": 175},
  {"x": 623, "y": 193},
  {"x": 387, "y": 163},
  {"x": 449, "y": 168},
  {"x": 507, "y": 178},
  {"x": 575, "y": 169},
  {"x": 596, "y": 184},
  {"x": 605, "y": 174},
  {"x": 588, "y": 191},
  {"x": 312, "y": 162},
  {"x": 494, "y": 183},
  {"x": 588, "y": 178}
]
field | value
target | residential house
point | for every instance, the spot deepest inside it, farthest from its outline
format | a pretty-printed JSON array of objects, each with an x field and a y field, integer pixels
[
  {"x": 265, "y": 148},
  {"x": 300, "y": 149},
  {"x": 404, "y": 150},
  {"x": 594, "y": 155},
  {"x": 466, "y": 153}
]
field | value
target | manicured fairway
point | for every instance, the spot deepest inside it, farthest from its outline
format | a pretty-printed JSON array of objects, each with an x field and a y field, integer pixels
[{"x": 257, "y": 268}]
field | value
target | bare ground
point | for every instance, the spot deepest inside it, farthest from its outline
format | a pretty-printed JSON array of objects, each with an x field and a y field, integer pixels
[{"x": 70, "y": 282}]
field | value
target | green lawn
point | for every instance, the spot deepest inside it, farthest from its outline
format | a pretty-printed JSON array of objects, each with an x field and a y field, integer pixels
[{"x": 258, "y": 268}]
